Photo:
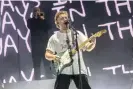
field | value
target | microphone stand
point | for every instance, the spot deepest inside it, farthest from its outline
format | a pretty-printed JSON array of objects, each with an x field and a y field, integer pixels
[{"x": 74, "y": 32}]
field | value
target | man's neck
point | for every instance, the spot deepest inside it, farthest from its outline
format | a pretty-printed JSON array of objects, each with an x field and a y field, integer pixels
[{"x": 65, "y": 30}]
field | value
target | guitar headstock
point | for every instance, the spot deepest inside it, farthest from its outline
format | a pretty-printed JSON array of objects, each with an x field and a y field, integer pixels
[{"x": 100, "y": 33}]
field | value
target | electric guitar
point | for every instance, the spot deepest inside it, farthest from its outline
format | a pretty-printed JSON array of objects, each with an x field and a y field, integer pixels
[{"x": 65, "y": 59}]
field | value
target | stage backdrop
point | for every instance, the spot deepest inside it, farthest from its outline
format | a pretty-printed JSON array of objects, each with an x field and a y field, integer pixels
[{"x": 109, "y": 65}]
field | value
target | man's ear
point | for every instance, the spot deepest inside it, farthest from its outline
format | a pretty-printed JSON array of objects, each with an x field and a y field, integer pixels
[{"x": 57, "y": 24}]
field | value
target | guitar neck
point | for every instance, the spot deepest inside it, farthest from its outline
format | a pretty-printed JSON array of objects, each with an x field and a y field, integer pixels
[{"x": 81, "y": 45}]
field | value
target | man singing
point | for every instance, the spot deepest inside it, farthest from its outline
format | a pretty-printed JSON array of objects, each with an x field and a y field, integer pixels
[
  {"x": 58, "y": 43},
  {"x": 39, "y": 36}
]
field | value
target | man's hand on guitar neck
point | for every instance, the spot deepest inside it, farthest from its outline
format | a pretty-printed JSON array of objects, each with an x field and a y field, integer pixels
[{"x": 90, "y": 45}]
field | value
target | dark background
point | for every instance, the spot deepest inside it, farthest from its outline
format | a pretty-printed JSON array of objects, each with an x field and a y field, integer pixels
[{"x": 107, "y": 53}]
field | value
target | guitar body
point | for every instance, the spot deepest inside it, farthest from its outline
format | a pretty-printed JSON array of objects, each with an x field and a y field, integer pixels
[{"x": 63, "y": 62}]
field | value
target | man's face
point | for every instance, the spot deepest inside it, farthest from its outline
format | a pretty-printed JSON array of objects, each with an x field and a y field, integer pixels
[
  {"x": 36, "y": 11},
  {"x": 62, "y": 19}
]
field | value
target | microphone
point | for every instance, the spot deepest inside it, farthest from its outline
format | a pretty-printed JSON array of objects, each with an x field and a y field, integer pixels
[{"x": 67, "y": 22}]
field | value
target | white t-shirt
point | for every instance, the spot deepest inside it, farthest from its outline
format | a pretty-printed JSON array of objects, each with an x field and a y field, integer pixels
[{"x": 57, "y": 43}]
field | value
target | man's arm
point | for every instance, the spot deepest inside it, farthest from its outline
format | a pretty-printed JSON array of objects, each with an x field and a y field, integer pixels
[
  {"x": 49, "y": 55},
  {"x": 50, "y": 50}
]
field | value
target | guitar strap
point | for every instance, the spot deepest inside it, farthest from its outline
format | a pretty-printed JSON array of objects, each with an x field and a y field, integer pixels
[{"x": 72, "y": 35}]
